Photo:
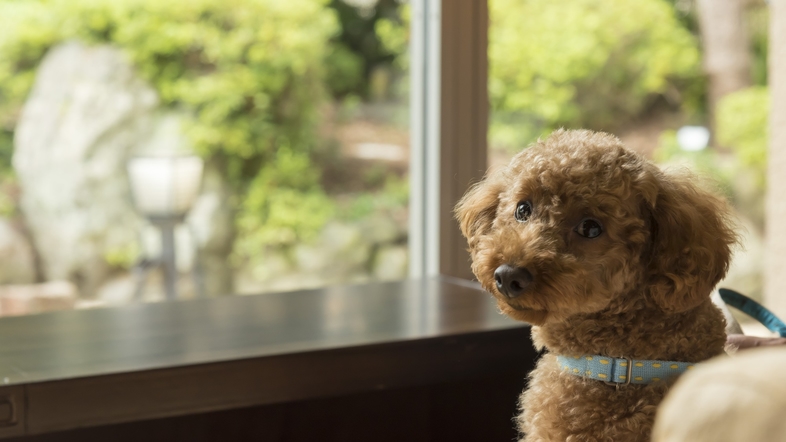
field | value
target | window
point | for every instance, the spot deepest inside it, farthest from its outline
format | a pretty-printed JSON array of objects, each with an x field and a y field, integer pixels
[
  {"x": 685, "y": 87},
  {"x": 299, "y": 111}
]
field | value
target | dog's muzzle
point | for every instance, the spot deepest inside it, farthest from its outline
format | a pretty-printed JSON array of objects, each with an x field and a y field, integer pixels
[{"x": 512, "y": 281}]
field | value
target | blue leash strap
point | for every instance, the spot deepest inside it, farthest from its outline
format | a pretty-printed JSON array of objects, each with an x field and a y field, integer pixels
[{"x": 754, "y": 310}]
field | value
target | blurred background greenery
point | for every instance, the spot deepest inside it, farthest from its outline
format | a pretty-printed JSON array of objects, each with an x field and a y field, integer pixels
[
  {"x": 261, "y": 79},
  {"x": 643, "y": 70},
  {"x": 269, "y": 84},
  {"x": 587, "y": 66}
]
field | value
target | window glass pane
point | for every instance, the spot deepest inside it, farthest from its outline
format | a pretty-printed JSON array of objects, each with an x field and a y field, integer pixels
[
  {"x": 683, "y": 82},
  {"x": 270, "y": 137}
]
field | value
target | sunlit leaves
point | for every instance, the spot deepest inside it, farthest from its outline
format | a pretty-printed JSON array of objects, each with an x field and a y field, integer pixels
[
  {"x": 742, "y": 125},
  {"x": 250, "y": 73},
  {"x": 284, "y": 203},
  {"x": 236, "y": 64},
  {"x": 580, "y": 62}
]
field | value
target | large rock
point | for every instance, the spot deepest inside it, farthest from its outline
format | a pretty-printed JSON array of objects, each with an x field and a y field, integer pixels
[
  {"x": 86, "y": 111},
  {"x": 87, "y": 114}
]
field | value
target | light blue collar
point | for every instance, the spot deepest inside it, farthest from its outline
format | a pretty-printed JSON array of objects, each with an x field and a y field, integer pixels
[{"x": 622, "y": 371}]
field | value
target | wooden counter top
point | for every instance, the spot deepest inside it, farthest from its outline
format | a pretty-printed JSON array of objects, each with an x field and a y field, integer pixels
[{"x": 85, "y": 368}]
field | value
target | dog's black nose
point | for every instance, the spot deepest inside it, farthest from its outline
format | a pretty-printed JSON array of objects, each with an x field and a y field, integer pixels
[{"x": 512, "y": 281}]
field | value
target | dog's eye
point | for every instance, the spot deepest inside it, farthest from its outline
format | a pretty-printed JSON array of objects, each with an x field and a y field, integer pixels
[
  {"x": 523, "y": 211},
  {"x": 589, "y": 228}
]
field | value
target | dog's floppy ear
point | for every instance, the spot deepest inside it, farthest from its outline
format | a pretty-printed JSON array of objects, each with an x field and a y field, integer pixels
[
  {"x": 478, "y": 207},
  {"x": 691, "y": 239}
]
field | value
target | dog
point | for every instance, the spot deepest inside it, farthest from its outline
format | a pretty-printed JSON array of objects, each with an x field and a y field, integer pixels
[{"x": 613, "y": 262}]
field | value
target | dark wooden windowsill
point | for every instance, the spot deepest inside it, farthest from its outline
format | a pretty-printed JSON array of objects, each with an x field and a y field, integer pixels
[{"x": 80, "y": 369}]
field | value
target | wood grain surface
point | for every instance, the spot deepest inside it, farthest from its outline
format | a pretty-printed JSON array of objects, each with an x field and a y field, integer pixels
[{"x": 78, "y": 369}]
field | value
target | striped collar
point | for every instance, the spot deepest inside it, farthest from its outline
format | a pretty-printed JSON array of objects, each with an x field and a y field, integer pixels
[{"x": 622, "y": 371}]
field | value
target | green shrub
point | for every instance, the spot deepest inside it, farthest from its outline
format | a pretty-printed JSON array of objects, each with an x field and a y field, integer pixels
[
  {"x": 285, "y": 204},
  {"x": 393, "y": 33},
  {"x": 344, "y": 71},
  {"x": 123, "y": 257},
  {"x": 251, "y": 69},
  {"x": 393, "y": 195},
  {"x": 742, "y": 125},
  {"x": 360, "y": 37},
  {"x": 580, "y": 63},
  {"x": 251, "y": 72}
]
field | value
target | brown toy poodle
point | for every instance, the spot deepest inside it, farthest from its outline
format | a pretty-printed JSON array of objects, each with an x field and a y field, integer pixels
[{"x": 612, "y": 261}]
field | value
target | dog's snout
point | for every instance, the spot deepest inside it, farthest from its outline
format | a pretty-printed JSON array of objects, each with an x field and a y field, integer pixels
[{"x": 512, "y": 281}]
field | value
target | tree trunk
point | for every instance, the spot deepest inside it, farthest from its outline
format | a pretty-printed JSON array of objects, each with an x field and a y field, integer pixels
[{"x": 726, "y": 44}]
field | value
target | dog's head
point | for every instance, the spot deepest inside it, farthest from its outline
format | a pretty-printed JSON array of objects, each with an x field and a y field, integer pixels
[{"x": 577, "y": 221}]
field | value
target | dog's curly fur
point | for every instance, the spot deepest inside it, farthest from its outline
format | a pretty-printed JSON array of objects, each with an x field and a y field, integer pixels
[{"x": 641, "y": 289}]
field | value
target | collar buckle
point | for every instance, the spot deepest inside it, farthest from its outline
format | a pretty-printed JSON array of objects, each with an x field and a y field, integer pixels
[{"x": 628, "y": 374}]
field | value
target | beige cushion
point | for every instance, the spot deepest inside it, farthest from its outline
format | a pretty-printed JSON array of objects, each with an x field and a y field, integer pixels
[{"x": 729, "y": 398}]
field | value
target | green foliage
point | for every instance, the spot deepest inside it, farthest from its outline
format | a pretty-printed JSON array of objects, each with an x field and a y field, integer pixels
[
  {"x": 285, "y": 204},
  {"x": 344, "y": 71},
  {"x": 9, "y": 194},
  {"x": 742, "y": 125},
  {"x": 251, "y": 72},
  {"x": 250, "y": 69},
  {"x": 758, "y": 17},
  {"x": 6, "y": 151},
  {"x": 359, "y": 37},
  {"x": 394, "y": 194},
  {"x": 123, "y": 256},
  {"x": 581, "y": 63},
  {"x": 393, "y": 33}
]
